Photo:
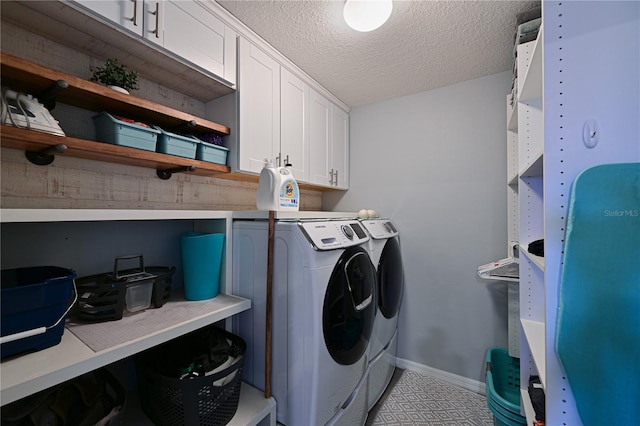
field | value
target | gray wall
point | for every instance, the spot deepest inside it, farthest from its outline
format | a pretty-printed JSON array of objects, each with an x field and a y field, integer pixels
[{"x": 435, "y": 163}]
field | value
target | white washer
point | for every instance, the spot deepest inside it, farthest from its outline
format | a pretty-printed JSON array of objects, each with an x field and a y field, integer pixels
[
  {"x": 384, "y": 250},
  {"x": 323, "y": 311}
]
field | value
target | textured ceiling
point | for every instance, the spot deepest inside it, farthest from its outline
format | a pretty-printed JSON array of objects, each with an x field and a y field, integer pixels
[{"x": 423, "y": 46}]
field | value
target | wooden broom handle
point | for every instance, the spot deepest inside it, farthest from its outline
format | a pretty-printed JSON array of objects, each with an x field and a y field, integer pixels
[{"x": 267, "y": 358}]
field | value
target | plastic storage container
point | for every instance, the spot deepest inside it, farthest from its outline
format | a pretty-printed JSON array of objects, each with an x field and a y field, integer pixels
[
  {"x": 175, "y": 387},
  {"x": 174, "y": 144},
  {"x": 32, "y": 298},
  {"x": 503, "y": 387},
  {"x": 201, "y": 262},
  {"x": 105, "y": 297},
  {"x": 212, "y": 153},
  {"x": 118, "y": 132}
]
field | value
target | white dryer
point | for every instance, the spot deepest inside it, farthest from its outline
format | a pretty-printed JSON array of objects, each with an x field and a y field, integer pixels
[
  {"x": 323, "y": 312},
  {"x": 384, "y": 250}
]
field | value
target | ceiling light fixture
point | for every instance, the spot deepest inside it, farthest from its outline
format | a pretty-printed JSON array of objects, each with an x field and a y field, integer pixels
[{"x": 367, "y": 15}]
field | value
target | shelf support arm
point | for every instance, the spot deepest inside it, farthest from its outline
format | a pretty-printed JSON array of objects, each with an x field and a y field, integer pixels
[
  {"x": 45, "y": 156},
  {"x": 48, "y": 97},
  {"x": 166, "y": 174}
]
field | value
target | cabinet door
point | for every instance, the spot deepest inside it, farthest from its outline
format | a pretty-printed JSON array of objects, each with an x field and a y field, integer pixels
[
  {"x": 126, "y": 14},
  {"x": 340, "y": 147},
  {"x": 294, "y": 124},
  {"x": 259, "y": 105},
  {"x": 188, "y": 30},
  {"x": 319, "y": 139}
]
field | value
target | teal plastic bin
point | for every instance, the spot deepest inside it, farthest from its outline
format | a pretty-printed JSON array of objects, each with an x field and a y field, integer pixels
[
  {"x": 117, "y": 132},
  {"x": 174, "y": 144},
  {"x": 212, "y": 153},
  {"x": 503, "y": 387},
  {"x": 201, "y": 262}
]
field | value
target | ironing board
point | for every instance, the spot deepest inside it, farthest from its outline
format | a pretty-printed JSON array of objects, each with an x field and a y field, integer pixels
[{"x": 598, "y": 327}]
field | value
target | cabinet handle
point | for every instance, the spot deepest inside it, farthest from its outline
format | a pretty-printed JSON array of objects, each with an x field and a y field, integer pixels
[
  {"x": 336, "y": 178},
  {"x": 278, "y": 158},
  {"x": 331, "y": 177},
  {"x": 135, "y": 13},
  {"x": 157, "y": 13}
]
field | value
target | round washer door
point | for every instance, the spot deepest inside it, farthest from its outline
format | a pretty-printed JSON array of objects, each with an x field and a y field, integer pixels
[
  {"x": 390, "y": 279},
  {"x": 348, "y": 310}
]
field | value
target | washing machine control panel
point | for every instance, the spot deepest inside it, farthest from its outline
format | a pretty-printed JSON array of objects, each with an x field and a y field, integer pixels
[
  {"x": 380, "y": 228},
  {"x": 334, "y": 234}
]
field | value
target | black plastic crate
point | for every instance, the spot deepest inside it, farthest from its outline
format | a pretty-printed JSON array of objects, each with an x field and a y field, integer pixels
[
  {"x": 206, "y": 400},
  {"x": 161, "y": 284},
  {"x": 101, "y": 297}
]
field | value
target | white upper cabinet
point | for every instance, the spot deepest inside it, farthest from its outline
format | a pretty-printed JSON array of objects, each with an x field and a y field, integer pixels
[
  {"x": 259, "y": 107},
  {"x": 329, "y": 143},
  {"x": 339, "y": 147},
  {"x": 294, "y": 124},
  {"x": 125, "y": 13},
  {"x": 191, "y": 31},
  {"x": 188, "y": 30},
  {"x": 320, "y": 140}
]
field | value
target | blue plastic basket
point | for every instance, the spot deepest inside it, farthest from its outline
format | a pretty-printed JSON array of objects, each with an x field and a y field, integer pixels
[
  {"x": 32, "y": 298},
  {"x": 174, "y": 144},
  {"x": 117, "y": 132}
]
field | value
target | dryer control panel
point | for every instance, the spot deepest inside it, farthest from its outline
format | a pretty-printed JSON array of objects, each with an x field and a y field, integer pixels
[
  {"x": 380, "y": 228},
  {"x": 334, "y": 234}
]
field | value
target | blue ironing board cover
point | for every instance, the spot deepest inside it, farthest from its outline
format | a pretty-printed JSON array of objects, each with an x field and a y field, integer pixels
[{"x": 598, "y": 328}]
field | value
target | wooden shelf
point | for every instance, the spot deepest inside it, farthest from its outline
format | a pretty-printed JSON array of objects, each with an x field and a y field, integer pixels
[
  {"x": 31, "y": 140},
  {"x": 32, "y": 78}
]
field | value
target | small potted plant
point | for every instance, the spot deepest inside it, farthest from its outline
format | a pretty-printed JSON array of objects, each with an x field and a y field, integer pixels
[{"x": 116, "y": 76}]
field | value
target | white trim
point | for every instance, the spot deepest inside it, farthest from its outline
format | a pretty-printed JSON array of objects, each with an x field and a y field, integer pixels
[{"x": 454, "y": 379}]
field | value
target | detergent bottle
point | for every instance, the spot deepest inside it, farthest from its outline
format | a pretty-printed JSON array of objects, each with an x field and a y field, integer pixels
[{"x": 278, "y": 189}]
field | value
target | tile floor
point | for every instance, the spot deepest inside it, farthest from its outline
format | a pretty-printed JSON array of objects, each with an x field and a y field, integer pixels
[{"x": 414, "y": 399}]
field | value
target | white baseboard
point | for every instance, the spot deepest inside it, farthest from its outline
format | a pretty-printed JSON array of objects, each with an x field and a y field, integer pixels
[{"x": 454, "y": 379}]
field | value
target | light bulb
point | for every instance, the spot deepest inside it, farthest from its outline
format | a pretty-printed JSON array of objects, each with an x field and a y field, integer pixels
[{"x": 367, "y": 15}]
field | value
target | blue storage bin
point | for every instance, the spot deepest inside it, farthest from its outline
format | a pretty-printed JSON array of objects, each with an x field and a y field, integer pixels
[
  {"x": 173, "y": 144},
  {"x": 34, "y": 297},
  {"x": 118, "y": 132},
  {"x": 212, "y": 153},
  {"x": 201, "y": 264}
]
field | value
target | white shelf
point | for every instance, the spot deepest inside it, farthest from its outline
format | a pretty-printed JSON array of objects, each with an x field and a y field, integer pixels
[
  {"x": 527, "y": 406},
  {"x": 80, "y": 215},
  {"x": 532, "y": 86},
  {"x": 534, "y": 332},
  {"x": 537, "y": 260},
  {"x": 534, "y": 168},
  {"x": 30, "y": 373}
]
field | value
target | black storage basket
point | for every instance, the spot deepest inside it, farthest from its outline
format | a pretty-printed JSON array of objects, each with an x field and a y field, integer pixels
[
  {"x": 198, "y": 401},
  {"x": 87, "y": 399}
]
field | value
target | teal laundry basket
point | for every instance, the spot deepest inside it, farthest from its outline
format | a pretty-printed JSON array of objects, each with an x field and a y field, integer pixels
[
  {"x": 201, "y": 263},
  {"x": 503, "y": 387}
]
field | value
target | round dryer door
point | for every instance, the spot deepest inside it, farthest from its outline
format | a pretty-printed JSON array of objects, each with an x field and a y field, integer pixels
[
  {"x": 390, "y": 279},
  {"x": 348, "y": 310}
]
